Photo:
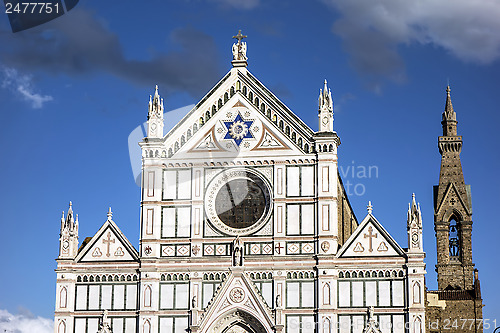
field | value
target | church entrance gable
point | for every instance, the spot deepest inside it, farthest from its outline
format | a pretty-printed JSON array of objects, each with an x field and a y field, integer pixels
[{"x": 236, "y": 308}]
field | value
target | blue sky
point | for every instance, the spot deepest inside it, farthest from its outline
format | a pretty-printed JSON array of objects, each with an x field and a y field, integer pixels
[{"x": 72, "y": 90}]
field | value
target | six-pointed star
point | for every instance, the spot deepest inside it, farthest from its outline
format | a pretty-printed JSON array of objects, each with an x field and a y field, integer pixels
[{"x": 238, "y": 129}]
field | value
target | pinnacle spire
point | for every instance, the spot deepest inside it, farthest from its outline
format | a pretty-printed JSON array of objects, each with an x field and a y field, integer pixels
[
  {"x": 325, "y": 106},
  {"x": 369, "y": 208},
  {"x": 448, "y": 109},
  {"x": 110, "y": 213}
]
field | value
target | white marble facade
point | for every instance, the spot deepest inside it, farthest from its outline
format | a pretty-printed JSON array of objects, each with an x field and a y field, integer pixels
[{"x": 203, "y": 268}]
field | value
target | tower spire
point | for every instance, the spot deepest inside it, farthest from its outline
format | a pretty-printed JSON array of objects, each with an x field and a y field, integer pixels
[
  {"x": 325, "y": 112},
  {"x": 452, "y": 209},
  {"x": 68, "y": 238},
  {"x": 155, "y": 115},
  {"x": 449, "y": 121}
]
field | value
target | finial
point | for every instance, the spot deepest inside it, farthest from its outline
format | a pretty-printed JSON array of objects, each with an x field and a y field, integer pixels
[
  {"x": 239, "y": 51},
  {"x": 70, "y": 204},
  {"x": 156, "y": 90},
  {"x": 369, "y": 208},
  {"x": 110, "y": 213}
]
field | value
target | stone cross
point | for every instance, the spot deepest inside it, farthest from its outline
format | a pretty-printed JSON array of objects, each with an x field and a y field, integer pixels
[
  {"x": 108, "y": 243},
  {"x": 370, "y": 236}
]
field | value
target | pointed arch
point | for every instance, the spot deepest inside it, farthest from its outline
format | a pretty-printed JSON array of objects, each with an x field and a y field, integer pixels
[
  {"x": 147, "y": 327},
  {"x": 326, "y": 325},
  {"x": 417, "y": 325},
  {"x": 61, "y": 328},
  {"x": 63, "y": 297},
  {"x": 326, "y": 294},
  {"x": 147, "y": 297},
  {"x": 416, "y": 293}
]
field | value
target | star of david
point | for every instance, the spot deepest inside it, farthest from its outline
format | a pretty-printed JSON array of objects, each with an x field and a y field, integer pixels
[{"x": 238, "y": 129}]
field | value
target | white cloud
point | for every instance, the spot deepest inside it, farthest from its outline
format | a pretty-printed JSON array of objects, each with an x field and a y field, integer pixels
[
  {"x": 24, "y": 323},
  {"x": 23, "y": 85},
  {"x": 372, "y": 30}
]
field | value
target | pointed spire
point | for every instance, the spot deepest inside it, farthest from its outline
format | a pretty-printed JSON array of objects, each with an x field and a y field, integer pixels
[
  {"x": 369, "y": 208},
  {"x": 110, "y": 213},
  {"x": 448, "y": 114},
  {"x": 414, "y": 215},
  {"x": 325, "y": 109}
]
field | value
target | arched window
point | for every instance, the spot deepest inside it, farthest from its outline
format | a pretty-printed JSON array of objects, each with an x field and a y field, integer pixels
[
  {"x": 294, "y": 136},
  {"x": 275, "y": 119},
  {"x": 188, "y": 135},
  {"x": 306, "y": 148},
  {"x": 214, "y": 110},
  {"x": 416, "y": 293},
  {"x": 250, "y": 96},
  {"x": 226, "y": 97},
  {"x": 326, "y": 294},
  {"x": 231, "y": 91},
  {"x": 63, "y": 298},
  {"x": 287, "y": 131},
  {"x": 207, "y": 116},
  {"x": 183, "y": 140},
  {"x": 244, "y": 90},
  {"x": 300, "y": 142},
  {"x": 219, "y": 104},
  {"x": 268, "y": 113},
  {"x": 454, "y": 239},
  {"x": 281, "y": 125},
  {"x": 176, "y": 146},
  {"x": 195, "y": 128},
  {"x": 147, "y": 297},
  {"x": 257, "y": 102},
  {"x": 202, "y": 121}
]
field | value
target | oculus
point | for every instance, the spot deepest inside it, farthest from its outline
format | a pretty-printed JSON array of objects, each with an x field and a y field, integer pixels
[{"x": 238, "y": 201}]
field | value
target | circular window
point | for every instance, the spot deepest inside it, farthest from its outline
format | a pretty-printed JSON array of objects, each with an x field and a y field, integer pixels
[{"x": 238, "y": 201}]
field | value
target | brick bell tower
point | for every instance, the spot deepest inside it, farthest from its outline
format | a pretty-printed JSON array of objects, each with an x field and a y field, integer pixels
[
  {"x": 452, "y": 210},
  {"x": 459, "y": 293}
]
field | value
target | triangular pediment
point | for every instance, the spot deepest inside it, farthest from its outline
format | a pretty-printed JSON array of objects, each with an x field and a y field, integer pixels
[
  {"x": 239, "y": 117},
  {"x": 370, "y": 239},
  {"x": 452, "y": 198},
  {"x": 237, "y": 294},
  {"x": 108, "y": 244}
]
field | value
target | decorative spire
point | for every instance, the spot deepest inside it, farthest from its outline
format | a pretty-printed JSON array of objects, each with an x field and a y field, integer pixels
[
  {"x": 155, "y": 115},
  {"x": 239, "y": 51},
  {"x": 449, "y": 118},
  {"x": 448, "y": 109},
  {"x": 325, "y": 106},
  {"x": 414, "y": 215},
  {"x": 110, "y": 214},
  {"x": 369, "y": 208}
]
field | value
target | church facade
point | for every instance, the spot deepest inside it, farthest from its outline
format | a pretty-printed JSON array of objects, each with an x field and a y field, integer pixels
[{"x": 245, "y": 227}]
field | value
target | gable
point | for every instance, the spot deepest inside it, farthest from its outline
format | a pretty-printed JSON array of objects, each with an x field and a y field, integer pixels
[
  {"x": 108, "y": 244},
  {"x": 452, "y": 198},
  {"x": 370, "y": 239},
  {"x": 206, "y": 128},
  {"x": 237, "y": 293},
  {"x": 238, "y": 129}
]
